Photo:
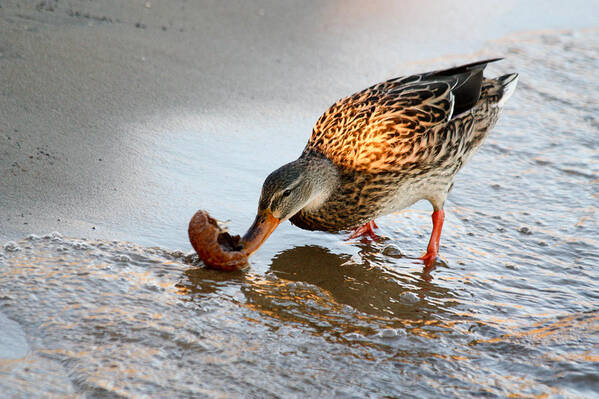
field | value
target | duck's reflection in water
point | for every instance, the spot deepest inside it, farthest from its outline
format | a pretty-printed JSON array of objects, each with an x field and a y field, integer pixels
[
  {"x": 367, "y": 282},
  {"x": 334, "y": 295}
]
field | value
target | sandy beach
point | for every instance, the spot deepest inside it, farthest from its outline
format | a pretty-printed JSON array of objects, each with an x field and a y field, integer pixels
[{"x": 90, "y": 93}]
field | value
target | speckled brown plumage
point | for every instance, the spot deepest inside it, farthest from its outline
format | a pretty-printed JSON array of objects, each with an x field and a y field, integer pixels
[{"x": 401, "y": 141}]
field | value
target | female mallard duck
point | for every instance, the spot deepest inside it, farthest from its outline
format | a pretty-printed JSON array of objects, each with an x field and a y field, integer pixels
[{"x": 381, "y": 150}]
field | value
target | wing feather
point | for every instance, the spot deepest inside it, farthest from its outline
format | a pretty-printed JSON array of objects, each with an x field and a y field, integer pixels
[
  {"x": 387, "y": 126},
  {"x": 372, "y": 129}
]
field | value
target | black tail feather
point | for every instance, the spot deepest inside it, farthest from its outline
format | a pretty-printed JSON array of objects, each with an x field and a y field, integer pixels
[{"x": 467, "y": 81}]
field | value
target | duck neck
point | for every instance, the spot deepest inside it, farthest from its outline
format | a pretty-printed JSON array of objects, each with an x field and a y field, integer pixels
[{"x": 323, "y": 176}]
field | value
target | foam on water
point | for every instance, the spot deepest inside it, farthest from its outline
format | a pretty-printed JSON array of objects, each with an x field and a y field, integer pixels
[{"x": 510, "y": 310}]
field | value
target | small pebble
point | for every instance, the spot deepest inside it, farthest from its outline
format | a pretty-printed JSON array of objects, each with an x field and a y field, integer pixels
[
  {"x": 525, "y": 230},
  {"x": 392, "y": 251},
  {"x": 409, "y": 297}
]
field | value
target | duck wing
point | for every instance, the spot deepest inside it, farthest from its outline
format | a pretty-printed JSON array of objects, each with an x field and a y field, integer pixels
[{"x": 384, "y": 126}]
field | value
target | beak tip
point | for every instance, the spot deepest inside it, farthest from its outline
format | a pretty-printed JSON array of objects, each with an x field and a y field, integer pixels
[{"x": 263, "y": 226}]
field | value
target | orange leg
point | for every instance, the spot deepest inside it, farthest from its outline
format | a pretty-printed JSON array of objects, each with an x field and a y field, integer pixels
[
  {"x": 433, "y": 244},
  {"x": 365, "y": 231}
]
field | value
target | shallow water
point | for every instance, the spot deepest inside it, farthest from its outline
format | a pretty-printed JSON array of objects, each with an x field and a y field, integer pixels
[{"x": 510, "y": 310}]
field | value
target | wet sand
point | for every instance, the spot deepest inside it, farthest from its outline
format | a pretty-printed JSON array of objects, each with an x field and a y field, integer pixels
[{"x": 93, "y": 93}]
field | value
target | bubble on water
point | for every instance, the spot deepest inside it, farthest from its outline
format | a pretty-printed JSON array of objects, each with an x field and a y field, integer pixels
[
  {"x": 11, "y": 246},
  {"x": 409, "y": 297},
  {"x": 392, "y": 251}
]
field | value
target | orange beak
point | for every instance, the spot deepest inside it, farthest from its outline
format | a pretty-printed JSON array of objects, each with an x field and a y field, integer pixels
[{"x": 264, "y": 224}]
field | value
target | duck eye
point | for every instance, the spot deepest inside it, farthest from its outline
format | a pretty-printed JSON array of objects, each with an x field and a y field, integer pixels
[{"x": 286, "y": 193}]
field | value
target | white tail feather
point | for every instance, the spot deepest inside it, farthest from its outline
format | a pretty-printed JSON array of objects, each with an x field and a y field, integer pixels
[{"x": 508, "y": 88}]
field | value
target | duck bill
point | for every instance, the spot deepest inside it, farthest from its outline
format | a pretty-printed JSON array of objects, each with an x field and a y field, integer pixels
[{"x": 264, "y": 224}]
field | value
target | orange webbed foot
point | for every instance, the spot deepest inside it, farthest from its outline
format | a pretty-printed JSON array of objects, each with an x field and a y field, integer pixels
[
  {"x": 429, "y": 259},
  {"x": 365, "y": 231}
]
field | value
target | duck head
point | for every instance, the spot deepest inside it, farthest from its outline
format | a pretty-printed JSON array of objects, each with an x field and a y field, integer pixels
[{"x": 304, "y": 183}]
